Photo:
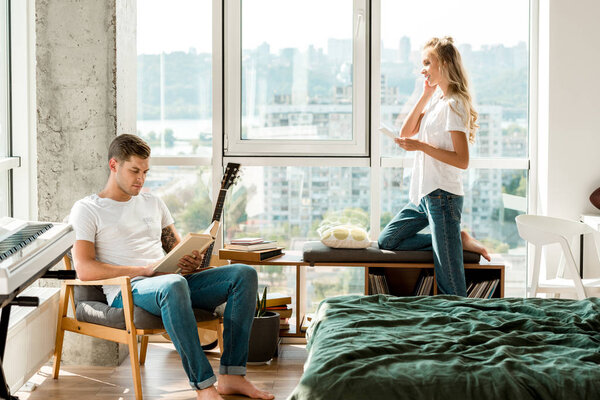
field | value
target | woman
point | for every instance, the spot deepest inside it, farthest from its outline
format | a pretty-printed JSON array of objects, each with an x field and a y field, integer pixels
[{"x": 445, "y": 122}]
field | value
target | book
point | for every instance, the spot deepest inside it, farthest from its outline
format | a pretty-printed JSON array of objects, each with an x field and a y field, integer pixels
[
  {"x": 278, "y": 299},
  {"x": 191, "y": 242},
  {"x": 260, "y": 255},
  {"x": 389, "y": 131},
  {"x": 424, "y": 284},
  {"x": 247, "y": 240},
  {"x": 284, "y": 323},
  {"x": 283, "y": 311},
  {"x": 268, "y": 244}
]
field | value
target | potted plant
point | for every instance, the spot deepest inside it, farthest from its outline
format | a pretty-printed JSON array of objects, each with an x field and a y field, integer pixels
[{"x": 264, "y": 335}]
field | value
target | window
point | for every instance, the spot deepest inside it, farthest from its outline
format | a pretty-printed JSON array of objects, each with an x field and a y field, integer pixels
[
  {"x": 175, "y": 107},
  {"x": 288, "y": 204},
  {"x": 175, "y": 77},
  {"x": 6, "y": 162},
  {"x": 185, "y": 190},
  {"x": 295, "y": 96},
  {"x": 497, "y": 61},
  {"x": 297, "y": 84}
]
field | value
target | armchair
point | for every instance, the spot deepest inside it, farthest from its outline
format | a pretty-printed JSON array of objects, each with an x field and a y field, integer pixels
[{"x": 94, "y": 317}]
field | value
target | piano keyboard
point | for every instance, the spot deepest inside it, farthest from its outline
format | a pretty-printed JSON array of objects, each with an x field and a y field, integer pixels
[
  {"x": 28, "y": 249},
  {"x": 18, "y": 240}
]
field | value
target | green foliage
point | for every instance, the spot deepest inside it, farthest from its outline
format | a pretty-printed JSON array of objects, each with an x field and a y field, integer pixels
[
  {"x": 261, "y": 304},
  {"x": 385, "y": 219},
  {"x": 169, "y": 137},
  {"x": 154, "y": 139},
  {"x": 517, "y": 185},
  {"x": 495, "y": 246}
]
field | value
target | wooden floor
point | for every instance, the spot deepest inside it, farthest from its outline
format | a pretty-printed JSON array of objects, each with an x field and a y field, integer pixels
[{"x": 162, "y": 377}]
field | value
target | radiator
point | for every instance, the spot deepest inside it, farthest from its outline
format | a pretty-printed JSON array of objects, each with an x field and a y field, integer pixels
[{"x": 31, "y": 336}]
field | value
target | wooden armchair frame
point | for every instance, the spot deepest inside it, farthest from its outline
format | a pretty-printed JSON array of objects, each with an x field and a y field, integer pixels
[{"x": 126, "y": 336}]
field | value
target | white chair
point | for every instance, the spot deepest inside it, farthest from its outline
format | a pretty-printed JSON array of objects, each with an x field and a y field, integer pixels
[{"x": 540, "y": 231}]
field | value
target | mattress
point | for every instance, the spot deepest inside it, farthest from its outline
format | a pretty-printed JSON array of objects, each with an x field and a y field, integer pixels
[{"x": 448, "y": 347}]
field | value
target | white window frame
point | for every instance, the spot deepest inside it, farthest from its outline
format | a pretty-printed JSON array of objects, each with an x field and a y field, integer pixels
[
  {"x": 235, "y": 146},
  {"x": 7, "y": 162},
  {"x": 23, "y": 110},
  {"x": 226, "y": 72}
]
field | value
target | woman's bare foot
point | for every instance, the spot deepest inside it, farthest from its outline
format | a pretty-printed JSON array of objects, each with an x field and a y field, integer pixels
[
  {"x": 237, "y": 384},
  {"x": 208, "y": 394},
  {"x": 469, "y": 243}
]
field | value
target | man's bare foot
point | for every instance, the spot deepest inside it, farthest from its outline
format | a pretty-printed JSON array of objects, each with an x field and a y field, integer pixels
[
  {"x": 209, "y": 393},
  {"x": 237, "y": 384},
  {"x": 471, "y": 244}
]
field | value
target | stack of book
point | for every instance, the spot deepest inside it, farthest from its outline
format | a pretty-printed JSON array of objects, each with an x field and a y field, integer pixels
[
  {"x": 282, "y": 305},
  {"x": 250, "y": 249},
  {"x": 251, "y": 244},
  {"x": 482, "y": 289},
  {"x": 424, "y": 284},
  {"x": 378, "y": 284}
]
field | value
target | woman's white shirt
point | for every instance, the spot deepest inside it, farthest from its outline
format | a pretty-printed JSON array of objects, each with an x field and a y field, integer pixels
[{"x": 442, "y": 115}]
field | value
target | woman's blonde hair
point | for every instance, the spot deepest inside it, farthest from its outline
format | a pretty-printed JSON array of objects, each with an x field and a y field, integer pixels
[{"x": 452, "y": 69}]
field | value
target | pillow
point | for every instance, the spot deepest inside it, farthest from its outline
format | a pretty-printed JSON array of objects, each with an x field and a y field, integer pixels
[{"x": 345, "y": 237}]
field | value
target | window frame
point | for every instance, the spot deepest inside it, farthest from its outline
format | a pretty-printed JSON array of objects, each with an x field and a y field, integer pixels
[
  {"x": 225, "y": 98},
  {"x": 234, "y": 145},
  {"x": 7, "y": 161}
]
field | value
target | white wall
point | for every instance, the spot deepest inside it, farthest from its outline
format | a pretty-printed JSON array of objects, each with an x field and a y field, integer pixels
[{"x": 569, "y": 110}]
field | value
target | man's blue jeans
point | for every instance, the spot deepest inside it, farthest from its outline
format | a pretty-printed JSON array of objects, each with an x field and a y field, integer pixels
[
  {"x": 442, "y": 211},
  {"x": 172, "y": 297}
]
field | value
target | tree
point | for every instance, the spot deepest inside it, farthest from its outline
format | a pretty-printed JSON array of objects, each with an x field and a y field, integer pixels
[{"x": 169, "y": 137}]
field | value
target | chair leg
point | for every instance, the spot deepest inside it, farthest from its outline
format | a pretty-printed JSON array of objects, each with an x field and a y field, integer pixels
[
  {"x": 132, "y": 339},
  {"x": 143, "y": 349},
  {"x": 535, "y": 276},
  {"x": 135, "y": 366},
  {"x": 65, "y": 294},
  {"x": 220, "y": 336}
]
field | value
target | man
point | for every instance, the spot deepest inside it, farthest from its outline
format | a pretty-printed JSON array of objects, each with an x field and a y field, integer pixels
[{"x": 123, "y": 232}]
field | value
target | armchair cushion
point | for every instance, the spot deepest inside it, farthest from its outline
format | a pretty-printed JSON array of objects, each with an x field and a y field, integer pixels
[
  {"x": 88, "y": 293},
  {"x": 100, "y": 313}
]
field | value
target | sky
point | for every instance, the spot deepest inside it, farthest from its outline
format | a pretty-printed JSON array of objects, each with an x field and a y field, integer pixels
[{"x": 178, "y": 25}]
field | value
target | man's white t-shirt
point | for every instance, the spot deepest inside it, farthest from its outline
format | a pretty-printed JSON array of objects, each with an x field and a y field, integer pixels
[
  {"x": 428, "y": 173},
  {"x": 123, "y": 232}
]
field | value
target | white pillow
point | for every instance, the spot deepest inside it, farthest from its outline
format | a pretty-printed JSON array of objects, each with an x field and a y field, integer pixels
[{"x": 345, "y": 237}]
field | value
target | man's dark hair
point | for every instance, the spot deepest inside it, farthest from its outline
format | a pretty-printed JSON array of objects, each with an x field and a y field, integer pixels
[{"x": 124, "y": 146}]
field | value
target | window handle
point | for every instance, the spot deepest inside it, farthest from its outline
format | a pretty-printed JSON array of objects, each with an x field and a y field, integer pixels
[{"x": 359, "y": 19}]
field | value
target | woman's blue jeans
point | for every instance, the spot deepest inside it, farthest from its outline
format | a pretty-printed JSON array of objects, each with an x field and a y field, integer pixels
[
  {"x": 442, "y": 211},
  {"x": 173, "y": 296}
]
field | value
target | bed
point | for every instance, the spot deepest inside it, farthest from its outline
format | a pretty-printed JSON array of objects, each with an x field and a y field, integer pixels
[{"x": 447, "y": 347}]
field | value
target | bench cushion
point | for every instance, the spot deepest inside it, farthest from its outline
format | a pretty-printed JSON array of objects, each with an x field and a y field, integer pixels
[{"x": 317, "y": 252}]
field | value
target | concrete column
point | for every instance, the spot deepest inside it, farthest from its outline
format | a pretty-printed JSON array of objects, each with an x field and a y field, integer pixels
[{"x": 77, "y": 111}]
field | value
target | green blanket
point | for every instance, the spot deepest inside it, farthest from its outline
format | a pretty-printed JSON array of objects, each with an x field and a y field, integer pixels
[{"x": 446, "y": 347}]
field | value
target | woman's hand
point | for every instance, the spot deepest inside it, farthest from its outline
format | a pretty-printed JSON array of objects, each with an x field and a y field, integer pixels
[
  {"x": 409, "y": 144},
  {"x": 190, "y": 262},
  {"x": 428, "y": 89}
]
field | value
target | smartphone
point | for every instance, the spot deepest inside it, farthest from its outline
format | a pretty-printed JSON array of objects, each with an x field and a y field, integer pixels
[{"x": 389, "y": 131}]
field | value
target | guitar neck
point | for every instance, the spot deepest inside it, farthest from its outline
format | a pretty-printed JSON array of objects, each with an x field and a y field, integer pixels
[
  {"x": 219, "y": 206},
  {"x": 214, "y": 227}
]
